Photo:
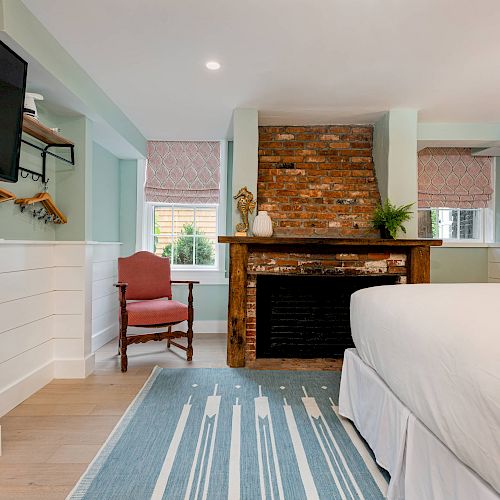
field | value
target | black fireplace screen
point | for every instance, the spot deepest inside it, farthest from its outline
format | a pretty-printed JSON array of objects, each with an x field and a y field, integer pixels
[{"x": 307, "y": 316}]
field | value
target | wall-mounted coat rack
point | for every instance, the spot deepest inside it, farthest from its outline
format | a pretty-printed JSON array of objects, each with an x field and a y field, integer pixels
[
  {"x": 35, "y": 129},
  {"x": 49, "y": 211},
  {"x": 6, "y": 195}
]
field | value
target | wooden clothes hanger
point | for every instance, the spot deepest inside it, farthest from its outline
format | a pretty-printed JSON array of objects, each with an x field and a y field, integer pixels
[
  {"x": 6, "y": 195},
  {"x": 48, "y": 203},
  {"x": 37, "y": 198}
]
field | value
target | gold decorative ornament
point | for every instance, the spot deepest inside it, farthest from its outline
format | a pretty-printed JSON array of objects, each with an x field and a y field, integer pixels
[{"x": 245, "y": 206}]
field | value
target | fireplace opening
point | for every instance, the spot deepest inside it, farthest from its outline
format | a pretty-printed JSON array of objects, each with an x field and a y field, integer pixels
[{"x": 307, "y": 316}]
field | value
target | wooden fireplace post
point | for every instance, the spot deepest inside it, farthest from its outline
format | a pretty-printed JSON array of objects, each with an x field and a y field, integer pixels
[
  {"x": 419, "y": 265},
  {"x": 237, "y": 317}
]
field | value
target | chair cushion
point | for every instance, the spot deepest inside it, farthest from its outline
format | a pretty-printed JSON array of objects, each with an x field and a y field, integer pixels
[{"x": 156, "y": 312}]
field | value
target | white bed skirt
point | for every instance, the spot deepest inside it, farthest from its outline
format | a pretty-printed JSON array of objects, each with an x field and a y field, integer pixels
[{"x": 421, "y": 467}]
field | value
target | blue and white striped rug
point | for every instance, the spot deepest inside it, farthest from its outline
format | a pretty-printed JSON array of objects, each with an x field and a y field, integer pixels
[{"x": 218, "y": 434}]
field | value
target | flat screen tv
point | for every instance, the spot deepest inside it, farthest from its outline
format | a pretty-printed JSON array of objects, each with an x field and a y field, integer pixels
[{"x": 12, "y": 87}]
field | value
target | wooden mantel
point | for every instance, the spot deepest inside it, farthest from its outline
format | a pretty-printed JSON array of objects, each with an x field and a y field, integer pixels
[
  {"x": 418, "y": 271},
  {"x": 338, "y": 242}
]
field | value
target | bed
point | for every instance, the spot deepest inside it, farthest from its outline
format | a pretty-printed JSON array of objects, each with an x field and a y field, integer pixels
[{"x": 423, "y": 387}]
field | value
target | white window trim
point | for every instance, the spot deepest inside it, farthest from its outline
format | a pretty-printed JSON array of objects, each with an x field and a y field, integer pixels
[
  {"x": 214, "y": 276},
  {"x": 485, "y": 230},
  {"x": 150, "y": 232}
]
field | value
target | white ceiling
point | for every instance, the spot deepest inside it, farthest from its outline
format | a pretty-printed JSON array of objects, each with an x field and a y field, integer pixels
[{"x": 296, "y": 61}]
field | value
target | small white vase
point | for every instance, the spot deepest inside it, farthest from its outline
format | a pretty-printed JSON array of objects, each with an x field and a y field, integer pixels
[{"x": 262, "y": 225}]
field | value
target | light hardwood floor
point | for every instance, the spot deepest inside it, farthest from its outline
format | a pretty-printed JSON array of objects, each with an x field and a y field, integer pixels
[{"x": 49, "y": 440}]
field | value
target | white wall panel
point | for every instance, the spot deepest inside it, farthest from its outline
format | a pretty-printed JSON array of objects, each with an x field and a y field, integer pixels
[
  {"x": 16, "y": 313},
  {"x": 101, "y": 288},
  {"x": 104, "y": 294},
  {"x": 19, "y": 284},
  {"x": 104, "y": 269},
  {"x": 69, "y": 278},
  {"x": 15, "y": 369},
  {"x": 68, "y": 326},
  {"x": 23, "y": 338},
  {"x": 20, "y": 257},
  {"x": 69, "y": 255},
  {"x": 106, "y": 252}
]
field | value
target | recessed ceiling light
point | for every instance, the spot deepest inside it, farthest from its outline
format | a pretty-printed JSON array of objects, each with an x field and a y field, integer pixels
[{"x": 213, "y": 65}]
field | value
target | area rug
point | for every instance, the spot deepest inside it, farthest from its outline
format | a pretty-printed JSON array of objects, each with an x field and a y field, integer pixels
[{"x": 197, "y": 434}]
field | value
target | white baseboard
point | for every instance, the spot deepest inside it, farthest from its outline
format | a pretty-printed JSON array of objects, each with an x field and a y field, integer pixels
[
  {"x": 210, "y": 326},
  {"x": 74, "y": 368},
  {"x": 104, "y": 336},
  {"x": 23, "y": 388}
]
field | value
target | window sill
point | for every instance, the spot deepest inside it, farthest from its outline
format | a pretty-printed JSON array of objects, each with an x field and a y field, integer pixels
[
  {"x": 463, "y": 244},
  {"x": 205, "y": 277}
]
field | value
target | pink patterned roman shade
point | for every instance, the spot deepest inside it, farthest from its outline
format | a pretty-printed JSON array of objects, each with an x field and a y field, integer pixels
[
  {"x": 183, "y": 172},
  {"x": 453, "y": 178}
]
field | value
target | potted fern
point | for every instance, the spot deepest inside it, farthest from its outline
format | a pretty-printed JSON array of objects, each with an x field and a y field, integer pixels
[{"x": 389, "y": 218}]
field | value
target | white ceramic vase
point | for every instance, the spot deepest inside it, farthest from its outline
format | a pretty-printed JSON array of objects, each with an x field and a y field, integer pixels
[{"x": 262, "y": 225}]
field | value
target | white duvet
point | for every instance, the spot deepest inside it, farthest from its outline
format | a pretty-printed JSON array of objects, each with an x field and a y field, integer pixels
[{"x": 438, "y": 348}]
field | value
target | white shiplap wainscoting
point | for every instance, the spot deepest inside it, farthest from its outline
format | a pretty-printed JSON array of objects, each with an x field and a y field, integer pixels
[
  {"x": 105, "y": 307},
  {"x": 49, "y": 314}
]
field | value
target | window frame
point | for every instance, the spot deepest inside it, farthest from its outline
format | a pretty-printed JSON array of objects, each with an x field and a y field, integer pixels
[
  {"x": 484, "y": 228},
  {"x": 151, "y": 235}
]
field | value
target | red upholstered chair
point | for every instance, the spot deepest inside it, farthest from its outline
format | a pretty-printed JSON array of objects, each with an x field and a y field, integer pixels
[{"x": 145, "y": 279}]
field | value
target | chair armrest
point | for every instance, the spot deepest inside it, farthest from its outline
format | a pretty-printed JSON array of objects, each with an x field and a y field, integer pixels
[{"x": 190, "y": 293}]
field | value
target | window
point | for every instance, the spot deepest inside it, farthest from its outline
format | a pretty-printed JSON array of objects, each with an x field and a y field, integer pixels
[
  {"x": 464, "y": 224},
  {"x": 455, "y": 195},
  {"x": 186, "y": 234}
]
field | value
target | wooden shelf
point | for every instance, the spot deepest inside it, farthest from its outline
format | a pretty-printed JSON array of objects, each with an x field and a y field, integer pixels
[{"x": 44, "y": 134}]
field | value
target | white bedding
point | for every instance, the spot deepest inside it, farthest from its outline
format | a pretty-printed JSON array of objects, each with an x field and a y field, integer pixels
[{"x": 438, "y": 348}]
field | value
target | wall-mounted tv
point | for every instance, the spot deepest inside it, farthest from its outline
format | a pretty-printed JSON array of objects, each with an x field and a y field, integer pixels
[{"x": 12, "y": 87}]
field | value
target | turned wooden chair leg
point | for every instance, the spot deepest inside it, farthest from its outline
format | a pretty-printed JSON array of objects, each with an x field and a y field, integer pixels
[
  {"x": 123, "y": 343},
  {"x": 124, "y": 359},
  {"x": 168, "y": 340}
]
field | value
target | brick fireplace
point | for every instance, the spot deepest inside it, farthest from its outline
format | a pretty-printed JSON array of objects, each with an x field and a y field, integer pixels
[
  {"x": 408, "y": 261},
  {"x": 318, "y": 185}
]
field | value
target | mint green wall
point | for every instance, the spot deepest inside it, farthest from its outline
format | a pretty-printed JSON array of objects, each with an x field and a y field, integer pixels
[
  {"x": 210, "y": 301},
  {"x": 459, "y": 265},
  {"x": 381, "y": 153},
  {"x": 128, "y": 205},
  {"x": 229, "y": 184},
  {"x": 105, "y": 195},
  {"x": 74, "y": 183},
  {"x": 245, "y": 153}
]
